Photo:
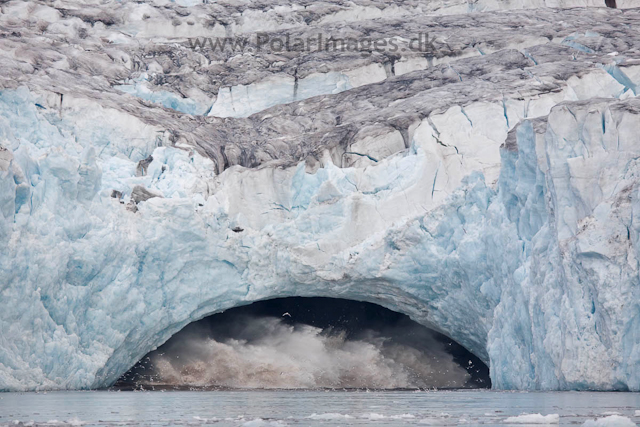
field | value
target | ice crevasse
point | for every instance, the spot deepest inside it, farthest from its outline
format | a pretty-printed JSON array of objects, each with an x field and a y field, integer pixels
[{"x": 536, "y": 273}]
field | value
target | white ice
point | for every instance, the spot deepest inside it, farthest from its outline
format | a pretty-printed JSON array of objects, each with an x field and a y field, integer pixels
[
  {"x": 610, "y": 421},
  {"x": 522, "y": 246},
  {"x": 533, "y": 419},
  {"x": 463, "y": 256}
]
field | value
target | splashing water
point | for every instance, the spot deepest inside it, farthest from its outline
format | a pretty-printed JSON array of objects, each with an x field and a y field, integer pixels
[{"x": 268, "y": 353}]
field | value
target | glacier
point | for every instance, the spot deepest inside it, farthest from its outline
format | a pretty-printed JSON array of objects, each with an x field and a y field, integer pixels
[{"x": 487, "y": 191}]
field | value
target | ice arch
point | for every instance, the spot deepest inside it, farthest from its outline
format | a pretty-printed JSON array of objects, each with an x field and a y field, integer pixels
[
  {"x": 96, "y": 270},
  {"x": 527, "y": 256},
  {"x": 134, "y": 346}
]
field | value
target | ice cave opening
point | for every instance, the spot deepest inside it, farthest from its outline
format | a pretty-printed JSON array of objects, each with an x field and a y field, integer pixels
[{"x": 307, "y": 343}]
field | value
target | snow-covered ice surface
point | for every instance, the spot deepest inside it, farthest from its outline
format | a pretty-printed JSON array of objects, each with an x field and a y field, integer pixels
[
  {"x": 487, "y": 190},
  {"x": 318, "y": 408}
]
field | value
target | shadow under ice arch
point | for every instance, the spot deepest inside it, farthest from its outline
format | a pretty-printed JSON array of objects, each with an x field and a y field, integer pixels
[{"x": 134, "y": 347}]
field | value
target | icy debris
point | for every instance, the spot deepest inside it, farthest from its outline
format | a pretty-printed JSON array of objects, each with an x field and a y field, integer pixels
[
  {"x": 533, "y": 419},
  {"x": 259, "y": 422},
  {"x": 437, "y": 421},
  {"x": 373, "y": 416},
  {"x": 402, "y": 417},
  {"x": 205, "y": 420},
  {"x": 330, "y": 416},
  {"x": 610, "y": 421}
]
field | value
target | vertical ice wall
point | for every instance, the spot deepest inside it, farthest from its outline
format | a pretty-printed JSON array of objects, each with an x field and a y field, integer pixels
[
  {"x": 537, "y": 276},
  {"x": 122, "y": 221}
]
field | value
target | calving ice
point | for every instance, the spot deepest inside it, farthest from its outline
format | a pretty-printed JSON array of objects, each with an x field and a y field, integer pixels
[{"x": 470, "y": 167}]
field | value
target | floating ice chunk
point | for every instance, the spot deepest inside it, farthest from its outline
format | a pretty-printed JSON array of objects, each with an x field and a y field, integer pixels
[
  {"x": 402, "y": 417},
  {"x": 373, "y": 416},
  {"x": 259, "y": 422},
  {"x": 534, "y": 419},
  {"x": 329, "y": 416},
  {"x": 436, "y": 421},
  {"x": 610, "y": 421}
]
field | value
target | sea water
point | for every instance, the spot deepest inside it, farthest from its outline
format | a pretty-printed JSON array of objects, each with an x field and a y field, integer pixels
[{"x": 318, "y": 407}]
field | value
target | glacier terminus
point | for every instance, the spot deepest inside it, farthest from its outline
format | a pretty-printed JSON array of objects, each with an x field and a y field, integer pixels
[{"x": 488, "y": 188}]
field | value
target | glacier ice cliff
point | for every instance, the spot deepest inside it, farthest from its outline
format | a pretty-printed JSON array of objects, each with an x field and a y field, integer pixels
[{"x": 488, "y": 189}]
